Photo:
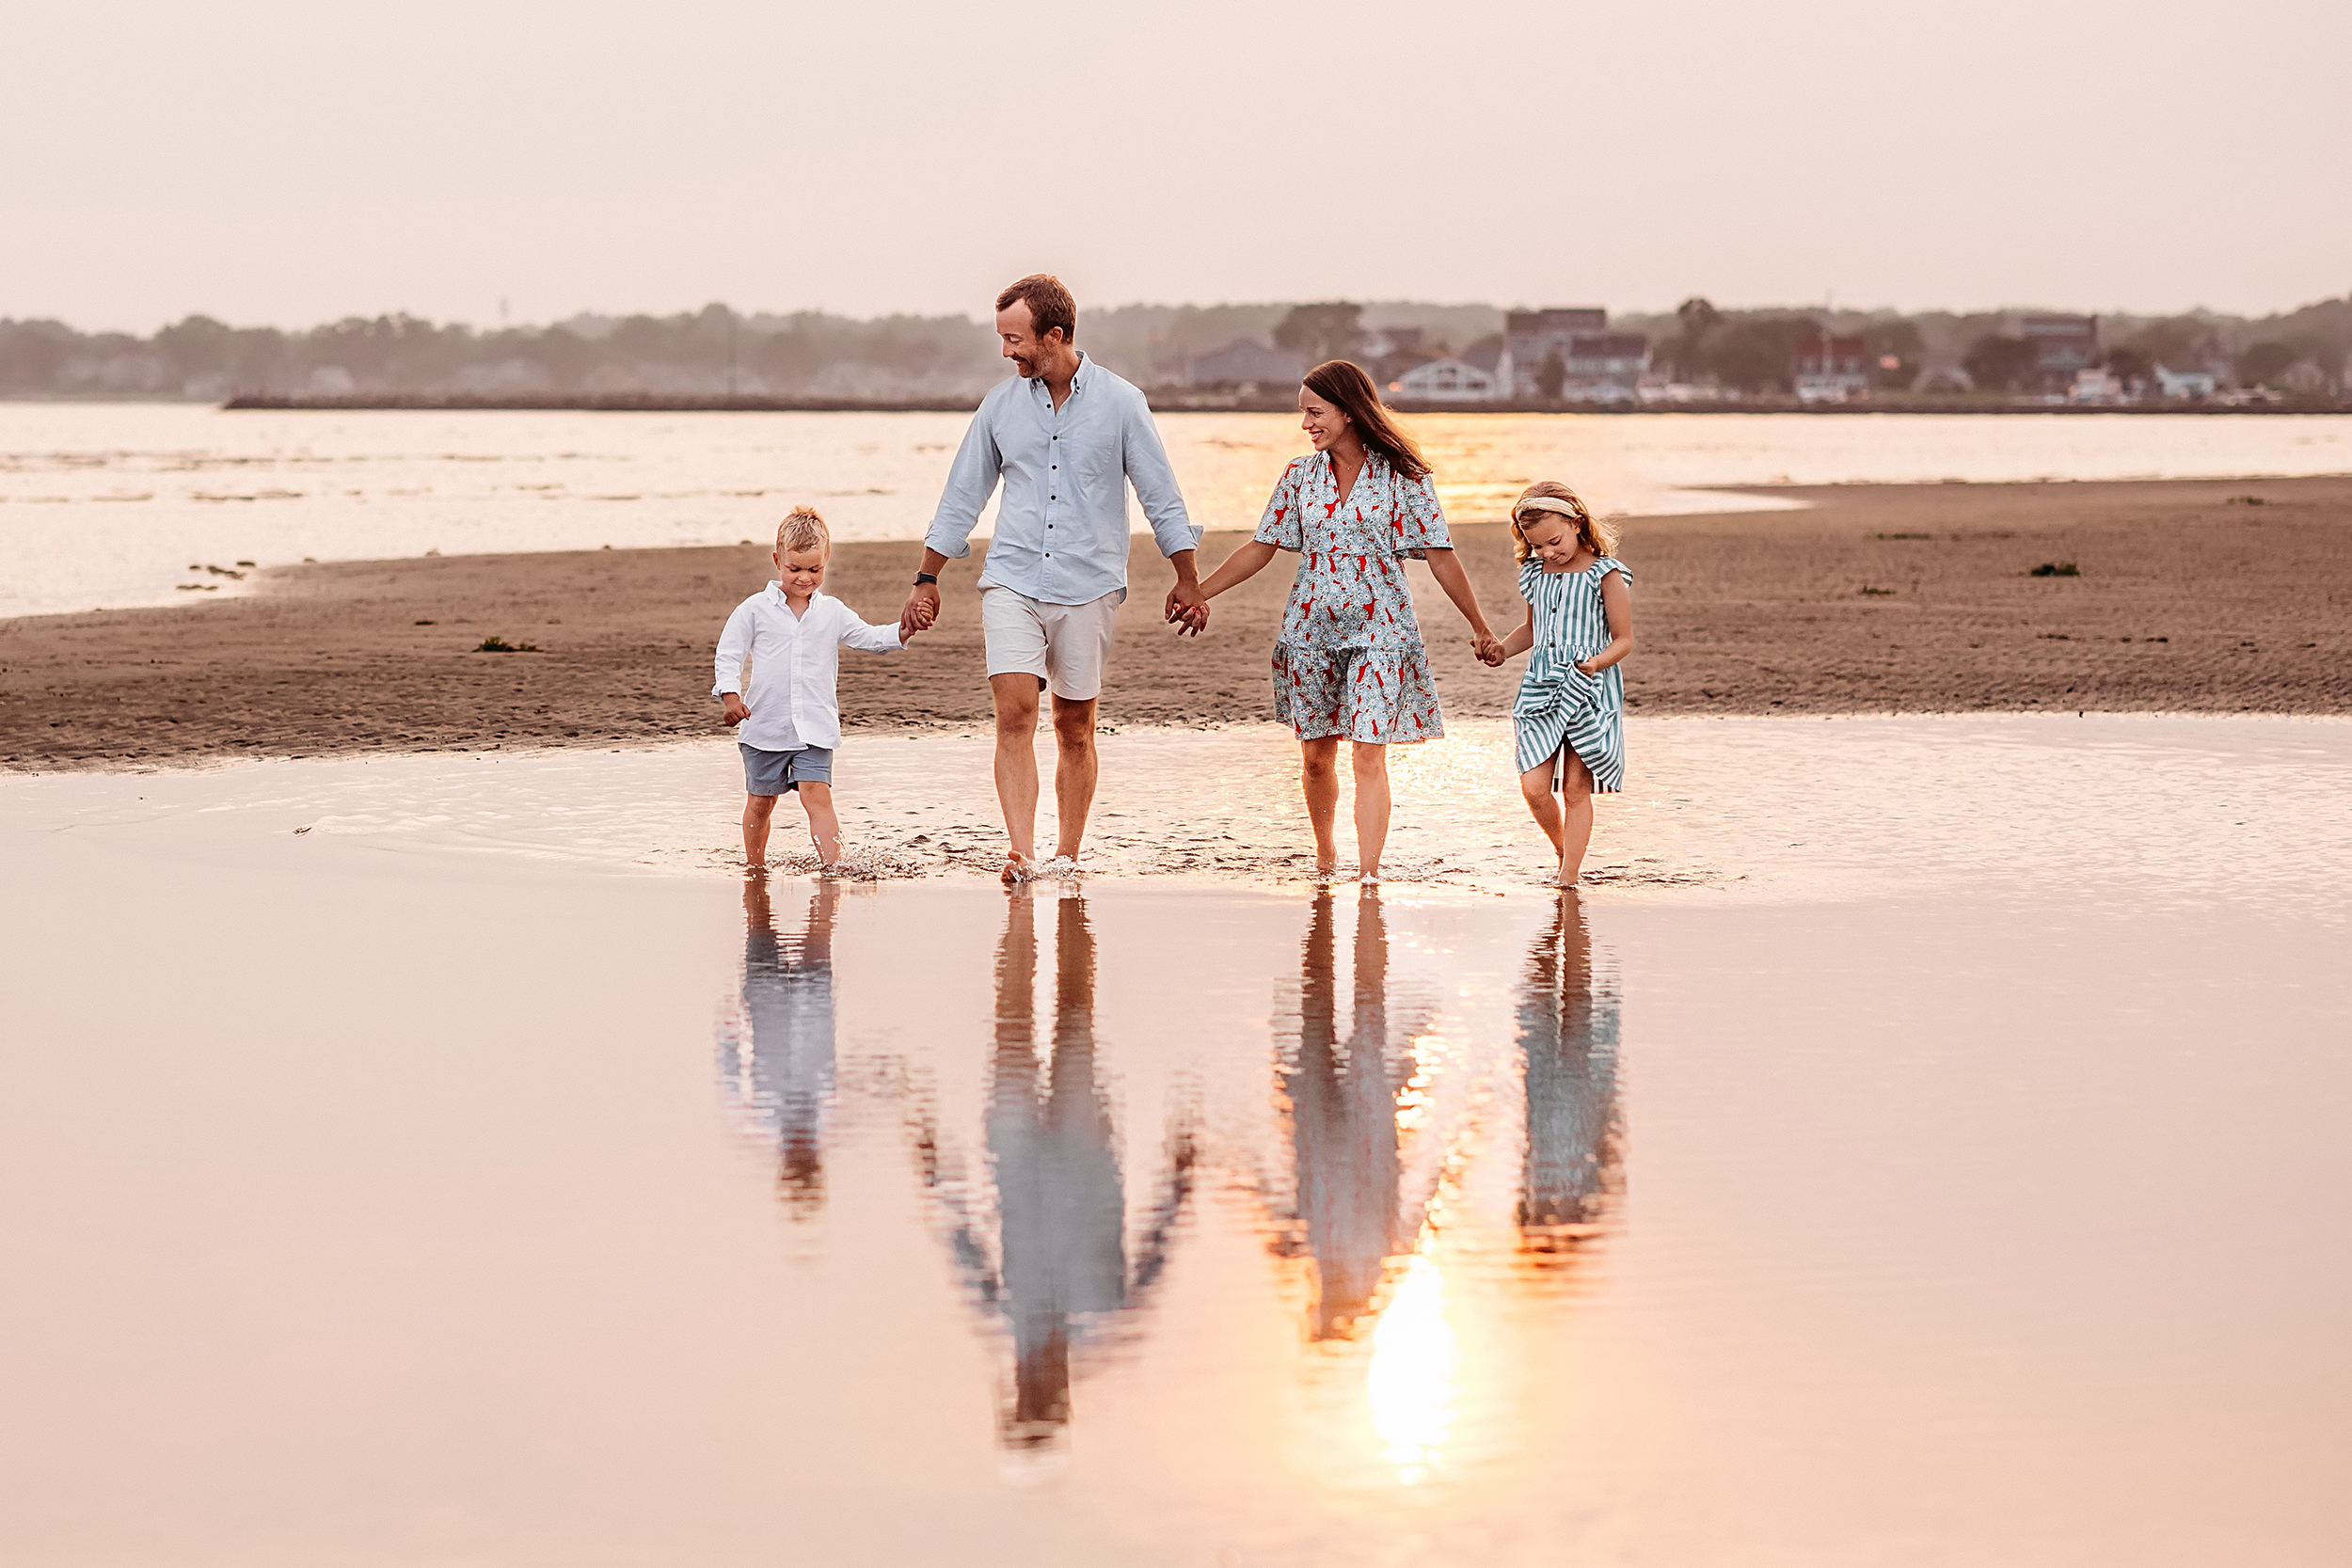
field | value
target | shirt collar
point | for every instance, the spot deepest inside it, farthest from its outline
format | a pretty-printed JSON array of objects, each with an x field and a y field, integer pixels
[{"x": 1079, "y": 379}]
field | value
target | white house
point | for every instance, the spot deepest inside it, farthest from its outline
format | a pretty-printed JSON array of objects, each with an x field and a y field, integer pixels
[
  {"x": 2186, "y": 384},
  {"x": 1445, "y": 381}
]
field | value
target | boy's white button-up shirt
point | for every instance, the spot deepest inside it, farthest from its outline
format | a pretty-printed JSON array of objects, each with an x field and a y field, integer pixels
[{"x": 795, "y": 663}]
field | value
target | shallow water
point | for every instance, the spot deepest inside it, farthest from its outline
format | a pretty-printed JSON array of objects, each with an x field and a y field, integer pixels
[
  {"x": 395, "y": 1192},
  {"x": 128, "y": 504}
]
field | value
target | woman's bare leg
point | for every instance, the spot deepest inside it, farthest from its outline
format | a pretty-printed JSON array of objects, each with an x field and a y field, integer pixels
[
  {"x": 823, "y": 826},
  {"x": 758, "y": 809},
  {"x": 1535, "y": 785},
  {"x": 1575, "y": 811},
  {"x": 1371, "y": 805},
  {"x": 1318, "y": 771}
]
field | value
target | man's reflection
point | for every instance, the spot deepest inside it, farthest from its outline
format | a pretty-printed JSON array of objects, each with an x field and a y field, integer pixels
[
  {"x": 1567, "y": 1025},
  {"x": 780, "y": 1078},
  {"x": 1062, "y": 1264},
  {"x": 1343, "y": 1103}
]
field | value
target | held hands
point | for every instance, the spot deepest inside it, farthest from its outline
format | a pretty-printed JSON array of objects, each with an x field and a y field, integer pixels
[
  {"x": 1488, "y": 647},
  {"x": 922, "y": 611},
  {"x": 736, "y": 712},
  {"x": 1188, "y": 609}
]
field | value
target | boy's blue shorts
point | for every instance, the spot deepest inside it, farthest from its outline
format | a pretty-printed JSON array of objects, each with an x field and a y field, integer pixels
[{"x": 774, "y": 772}]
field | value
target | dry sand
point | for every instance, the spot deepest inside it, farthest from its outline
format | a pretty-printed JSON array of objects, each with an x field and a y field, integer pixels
[{"x": 2203, "y": 595}]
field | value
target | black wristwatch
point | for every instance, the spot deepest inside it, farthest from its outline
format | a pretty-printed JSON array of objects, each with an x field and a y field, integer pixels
[{"x": 922, "y": 577}]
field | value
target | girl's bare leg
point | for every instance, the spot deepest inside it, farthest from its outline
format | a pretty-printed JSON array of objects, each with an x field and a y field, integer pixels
[
  {"x": 823, "y": 826},
  {"x": 1535, "y": 785},
  {"x": 1371, "y": 805},
  {"x": 1318, "y": 771},
  {"x": 1576, "y": 804},
  {"x": 758, "y": 809}
]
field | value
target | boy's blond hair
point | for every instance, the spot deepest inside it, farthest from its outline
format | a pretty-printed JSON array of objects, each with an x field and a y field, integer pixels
[
  {"x": 1599, "y": 534},
  {"x": 803, "y": 529}
]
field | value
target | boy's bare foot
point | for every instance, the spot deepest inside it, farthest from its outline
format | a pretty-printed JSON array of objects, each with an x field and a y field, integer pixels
[{"x": 1017, "y": 868}]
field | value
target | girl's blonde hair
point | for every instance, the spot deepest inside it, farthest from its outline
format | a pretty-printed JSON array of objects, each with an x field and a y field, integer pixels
[
  {"x": 803, "y": 529},
  {"x": 1599, "y": 534}
]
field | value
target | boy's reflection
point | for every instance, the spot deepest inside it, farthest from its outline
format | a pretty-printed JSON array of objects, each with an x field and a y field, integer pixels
[
  {"x": 1060, "y": 1258},
  {"x": 1575, "y": 1136},
  {"x": 783, "y": 1082},
  {"x": 1342, "y": 1102}
]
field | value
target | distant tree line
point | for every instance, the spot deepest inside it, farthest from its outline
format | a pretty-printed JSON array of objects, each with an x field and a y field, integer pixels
[{"x": 717, "y": 350}]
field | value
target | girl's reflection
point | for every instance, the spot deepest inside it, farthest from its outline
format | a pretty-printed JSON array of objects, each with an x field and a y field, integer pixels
[
  {"x": 1343, "y": 1105},
  {"x": 1567, "y": 1024},
  {"x": 1061, "y": 1266},
  {"x": 781, "y": 1079}
]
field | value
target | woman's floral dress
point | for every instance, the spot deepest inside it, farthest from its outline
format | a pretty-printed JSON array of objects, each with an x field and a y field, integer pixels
[{"x": 1349, "y": 662}]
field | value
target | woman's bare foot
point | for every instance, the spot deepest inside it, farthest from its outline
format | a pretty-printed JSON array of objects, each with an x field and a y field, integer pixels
[
  {"x": 1564, "y": 877},
  {"x": 1017, "y": 868}
]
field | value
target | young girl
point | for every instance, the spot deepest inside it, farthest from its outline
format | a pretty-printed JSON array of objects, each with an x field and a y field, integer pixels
[
  {"x": 1570, "y": 711},
  {"x": 1348, "y": 662}
]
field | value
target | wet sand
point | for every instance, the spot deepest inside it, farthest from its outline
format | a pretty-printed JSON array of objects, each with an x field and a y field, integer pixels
[
  {"x": 1876, "y": 599},
  {"x": 453, "y": 1202}
]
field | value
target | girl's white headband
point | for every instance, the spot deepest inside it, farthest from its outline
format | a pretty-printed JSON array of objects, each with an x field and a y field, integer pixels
[{"x": 1549, "y": 503}]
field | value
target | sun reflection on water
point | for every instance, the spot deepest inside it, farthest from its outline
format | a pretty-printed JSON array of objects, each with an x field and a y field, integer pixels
[{"x": 1415, "y": 1383}]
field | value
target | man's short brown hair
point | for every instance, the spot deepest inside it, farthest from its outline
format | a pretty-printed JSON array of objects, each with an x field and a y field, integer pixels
[{"x": 1050, "y": 305}]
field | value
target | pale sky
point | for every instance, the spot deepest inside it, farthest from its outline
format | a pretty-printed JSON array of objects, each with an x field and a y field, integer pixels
[{"x": 292, "y": 163}]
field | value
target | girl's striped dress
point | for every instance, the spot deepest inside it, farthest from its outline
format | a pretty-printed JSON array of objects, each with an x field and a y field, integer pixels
[{"x": 1558, "y": 704}]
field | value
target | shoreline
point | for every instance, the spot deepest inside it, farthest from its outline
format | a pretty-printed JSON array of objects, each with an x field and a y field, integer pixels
[
  {"x": 1895, "y": 599},
  {"x": 1176, "y": 401}
]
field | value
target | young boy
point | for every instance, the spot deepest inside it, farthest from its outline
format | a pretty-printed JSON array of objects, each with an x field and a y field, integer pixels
[{"x": 788, "y": 720}]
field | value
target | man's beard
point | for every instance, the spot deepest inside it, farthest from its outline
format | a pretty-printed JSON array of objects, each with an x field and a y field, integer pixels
[{"x": 1027, "y": 368}]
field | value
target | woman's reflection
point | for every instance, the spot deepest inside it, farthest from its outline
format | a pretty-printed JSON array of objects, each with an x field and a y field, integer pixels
[
  {"x": 1567, "y": 1024},
  {"x": 1060, "y": 1265},
  {"x": 780, "y": 1079},
  {"x": 1343, "y": 1105}
]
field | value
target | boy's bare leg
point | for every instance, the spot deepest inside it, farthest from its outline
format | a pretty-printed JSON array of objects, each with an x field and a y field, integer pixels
[
  {"x": 1319, "y": 773},
  {"x": 1575, "y": 811},
  {"x": 758, "y": 809},
  {"x": 823, "y": 826},
  {"x": 1371, "y": 806},
  {"x": 1535, "y": 785},
  {"x": 1076, "y": 767},
  {"x": 1015, "y": 696}
]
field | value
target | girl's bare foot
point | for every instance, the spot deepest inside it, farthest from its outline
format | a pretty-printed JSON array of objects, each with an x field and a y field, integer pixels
[{"x": 1017, "y": 868}]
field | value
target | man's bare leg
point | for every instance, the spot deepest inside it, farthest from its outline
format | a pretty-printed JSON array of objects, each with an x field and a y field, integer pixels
[
  {"x": 1074, "y": 770},
  {"x": 1015, "y": 696}
]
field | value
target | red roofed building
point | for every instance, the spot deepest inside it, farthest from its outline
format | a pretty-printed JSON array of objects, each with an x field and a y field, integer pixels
[{"x": 1826, "y": 368}]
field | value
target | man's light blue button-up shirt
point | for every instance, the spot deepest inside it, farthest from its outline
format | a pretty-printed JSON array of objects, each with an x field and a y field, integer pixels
[{"x": 1061, "y": 530}]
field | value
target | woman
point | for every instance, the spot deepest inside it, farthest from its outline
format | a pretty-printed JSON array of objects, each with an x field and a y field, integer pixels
[{"x": 1348, "y": 663}]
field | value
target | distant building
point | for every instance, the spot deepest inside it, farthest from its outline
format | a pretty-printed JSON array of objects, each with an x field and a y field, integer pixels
[
  {"x": 2063, "y": 345},
  {"x": 2097, "y": 387},
  {"x": 1244, "y": 360},
  {"x": 1445, "y": 381},
  {"x": 1605, "y": 367},
  {"x": 1826, "y": 368},
  {"x": 2305, "y": 379},
  {"x": 1531, "y": 338},
  {"x": 1382, "y": 341},
  {"x": 2196, "y": 386}
]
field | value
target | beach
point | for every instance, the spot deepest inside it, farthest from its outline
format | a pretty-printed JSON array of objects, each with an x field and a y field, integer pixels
[{"x": 2223, "y": 596}]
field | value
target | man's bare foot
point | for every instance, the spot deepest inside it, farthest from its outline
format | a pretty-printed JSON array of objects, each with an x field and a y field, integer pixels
[{"x": 1017, "y": 868}]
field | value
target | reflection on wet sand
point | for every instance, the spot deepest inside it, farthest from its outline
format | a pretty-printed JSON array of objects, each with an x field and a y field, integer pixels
[
  {"x": 1568, "y": 1028},
  {"x": 1059, "y": 1270},
  {"x": 1344, "y": 1119},
  {"x": 776, "y": 1067}
]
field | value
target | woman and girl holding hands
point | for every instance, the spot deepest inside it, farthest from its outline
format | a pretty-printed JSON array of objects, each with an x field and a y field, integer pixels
[{"x": 1065, "y": 438}]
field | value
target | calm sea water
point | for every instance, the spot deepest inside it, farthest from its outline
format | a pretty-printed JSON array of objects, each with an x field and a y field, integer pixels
[
  {"x": 1883, "y": 1167},
  {"x": 123, "y": 504}
]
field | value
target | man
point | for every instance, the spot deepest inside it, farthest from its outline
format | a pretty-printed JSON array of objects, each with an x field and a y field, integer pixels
[{"x": 1067, "y": 437}]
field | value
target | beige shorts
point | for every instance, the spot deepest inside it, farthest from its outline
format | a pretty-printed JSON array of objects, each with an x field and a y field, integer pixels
[{"x": 1066, "y": 646}]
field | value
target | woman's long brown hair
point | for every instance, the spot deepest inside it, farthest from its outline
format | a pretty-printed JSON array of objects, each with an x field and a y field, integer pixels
[{"x": 1344, "y": 385}]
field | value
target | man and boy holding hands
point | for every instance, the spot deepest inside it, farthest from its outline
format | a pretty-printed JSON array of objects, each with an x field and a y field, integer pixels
[{"x": 1065, "y": 437}]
